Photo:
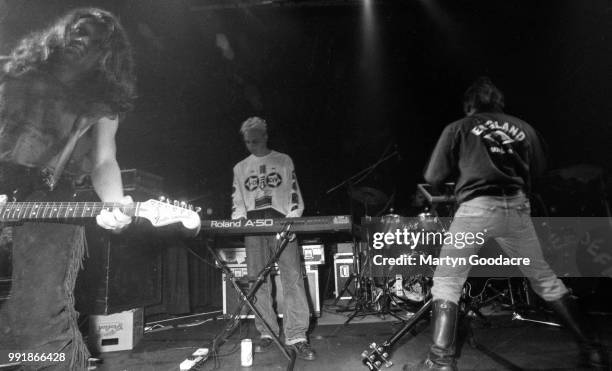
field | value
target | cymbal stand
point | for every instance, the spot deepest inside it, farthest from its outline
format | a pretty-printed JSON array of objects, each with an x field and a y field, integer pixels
[
  {"x": 363, "y": 303},
  {"x": 520, "y": 301},
  {"x": 248, "y": 299},
  {"x": 364, "y": 296},
  {"x": 515, "y": 306}
]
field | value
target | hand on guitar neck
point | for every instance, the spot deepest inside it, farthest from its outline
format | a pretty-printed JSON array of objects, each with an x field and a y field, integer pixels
[{"x": 115, "y": 220}]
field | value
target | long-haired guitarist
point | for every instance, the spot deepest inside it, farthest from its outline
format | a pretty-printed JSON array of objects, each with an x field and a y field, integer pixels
[{"x": 62, "y": 93}]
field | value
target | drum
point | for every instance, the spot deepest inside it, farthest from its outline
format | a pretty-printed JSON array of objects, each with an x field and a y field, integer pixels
[
  {"x": 429, "y": 222},
  {"x": 412, "y": 288},
  {"x": 396, "y": 242}
]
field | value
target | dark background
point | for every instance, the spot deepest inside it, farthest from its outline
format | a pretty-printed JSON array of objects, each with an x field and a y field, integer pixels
[{"x": 341, "y": 82}]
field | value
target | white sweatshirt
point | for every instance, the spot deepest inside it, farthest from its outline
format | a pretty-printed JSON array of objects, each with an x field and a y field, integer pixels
[{"x": 266, "y": 182}]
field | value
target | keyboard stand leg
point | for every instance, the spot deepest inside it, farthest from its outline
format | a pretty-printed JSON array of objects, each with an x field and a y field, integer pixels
[{"x": 248, "y": 298}]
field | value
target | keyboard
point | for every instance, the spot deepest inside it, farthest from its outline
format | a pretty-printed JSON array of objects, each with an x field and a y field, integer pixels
[{"x": 307, "y": 224}]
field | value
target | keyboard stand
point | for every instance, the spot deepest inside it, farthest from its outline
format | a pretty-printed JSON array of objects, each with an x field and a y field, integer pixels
[{"x": 248, "y": 298}]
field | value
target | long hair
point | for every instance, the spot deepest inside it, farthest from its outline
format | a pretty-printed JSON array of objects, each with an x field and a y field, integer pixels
[
  {"x": 113, "y": 81},
  {"x": 482, "y": 95}
]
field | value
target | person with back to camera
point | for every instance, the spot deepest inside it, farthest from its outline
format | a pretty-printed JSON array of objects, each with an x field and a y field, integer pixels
[{"x": 493, "y": 157}]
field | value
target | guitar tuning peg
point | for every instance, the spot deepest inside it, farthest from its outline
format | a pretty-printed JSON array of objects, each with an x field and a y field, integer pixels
[
  {"x": 364, "y": 354},
  {"x": 198, "y": 209},
  {"x": 176, "y": 203},
  {"x": 168, "y": 201},
  {"x": 183, "y": 204},
  {"x": 190, "y": 207},
  {"x": 162, "y": 198},
  {"x": 373, "y": 346}
]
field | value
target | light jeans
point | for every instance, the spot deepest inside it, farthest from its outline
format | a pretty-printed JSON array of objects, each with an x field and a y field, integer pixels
[
  {"x": 507, "y": 220},
  {"x": 296, "y": 312}
]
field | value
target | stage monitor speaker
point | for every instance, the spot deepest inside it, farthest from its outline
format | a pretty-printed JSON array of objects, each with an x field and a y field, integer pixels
[{"x": 230, "y": 297}]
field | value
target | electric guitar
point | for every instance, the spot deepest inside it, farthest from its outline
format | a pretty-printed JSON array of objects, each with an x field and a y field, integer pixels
[
  {"x": 159, "y": 213},
  {"x": 379, "y": 354},
  {"x": 377, "y": 357}
]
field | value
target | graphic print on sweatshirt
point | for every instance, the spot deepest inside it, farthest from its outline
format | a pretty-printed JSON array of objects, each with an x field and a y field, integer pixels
[
  {"x": 262, "y": 183},
  {"x": 502, "y": 143}
]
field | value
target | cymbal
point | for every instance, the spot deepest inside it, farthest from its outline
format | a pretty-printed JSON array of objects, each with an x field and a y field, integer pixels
[
  {"x": 583, "y": 173},
  {"x": 368, "y": 196}
]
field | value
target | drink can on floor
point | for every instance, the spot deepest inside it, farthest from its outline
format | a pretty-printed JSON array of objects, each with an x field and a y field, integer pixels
[{"x": 246, "y": 353}]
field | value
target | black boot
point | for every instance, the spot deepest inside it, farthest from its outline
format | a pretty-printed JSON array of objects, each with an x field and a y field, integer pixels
[
  {"x": 442, "y": 352},
  {"x": 592, "y": 352}
]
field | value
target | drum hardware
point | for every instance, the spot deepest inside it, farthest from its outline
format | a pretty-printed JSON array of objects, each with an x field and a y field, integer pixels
[
  {"x": 389, "y": 295},
  {"x": 443, "y": 194},
  {"x": 376, "y": 299},
  {"x": 362, "y": 174},
  {"x": 520, "y": 300},
  {"x": 516, "y": 316},
  {"x": 442, "y": 197},
  {"x": 370, "y": 297}
]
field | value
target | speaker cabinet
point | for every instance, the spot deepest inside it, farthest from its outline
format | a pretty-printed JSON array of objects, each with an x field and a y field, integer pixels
[{"x": 122, "y": 272}]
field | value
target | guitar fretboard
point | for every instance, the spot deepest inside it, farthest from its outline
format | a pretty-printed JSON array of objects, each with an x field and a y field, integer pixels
[{"x": 12, "y": 211}]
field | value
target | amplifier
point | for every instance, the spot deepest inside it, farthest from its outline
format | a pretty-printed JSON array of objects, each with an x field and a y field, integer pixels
[
  {"x": 343, "y": 268},
  {"x": 135, "y": 182},
  {"x": 123, "y": 271},
  {"x": 230, "y": 297},
  {"x": 344, "y": 247},
  {"x": 311, "y": 254}
]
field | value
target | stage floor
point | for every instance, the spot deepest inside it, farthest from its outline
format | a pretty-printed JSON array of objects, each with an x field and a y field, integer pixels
[{"x": 510, "y": 345}]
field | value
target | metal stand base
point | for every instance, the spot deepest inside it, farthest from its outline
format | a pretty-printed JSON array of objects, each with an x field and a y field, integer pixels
[{"x": 248, "y": 299}]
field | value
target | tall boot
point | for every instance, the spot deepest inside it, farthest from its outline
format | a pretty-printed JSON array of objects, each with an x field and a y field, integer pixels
[
  {"x": 442, "y": 352},
  {"x": 592, "y": 352}
]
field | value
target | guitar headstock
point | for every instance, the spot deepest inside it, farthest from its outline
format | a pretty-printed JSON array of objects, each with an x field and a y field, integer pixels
[
  {"x": 376, "y": 357},
  {"x": 165, "y": 212}
]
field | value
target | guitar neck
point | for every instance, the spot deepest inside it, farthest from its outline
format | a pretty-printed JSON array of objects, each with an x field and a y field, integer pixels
[{"x": 15, "y": 211}]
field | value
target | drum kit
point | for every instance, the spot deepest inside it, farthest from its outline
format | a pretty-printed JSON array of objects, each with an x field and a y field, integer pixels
[
  {"x": 391, "y": 290},
  {"x": 380, "y": 293},
  {"x": 388, "y": 290}
]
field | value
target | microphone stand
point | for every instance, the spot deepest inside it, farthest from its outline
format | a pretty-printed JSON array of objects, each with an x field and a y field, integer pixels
[
  {"x": 363, "y": 173},
  {"x": 359, "y": 268}
]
